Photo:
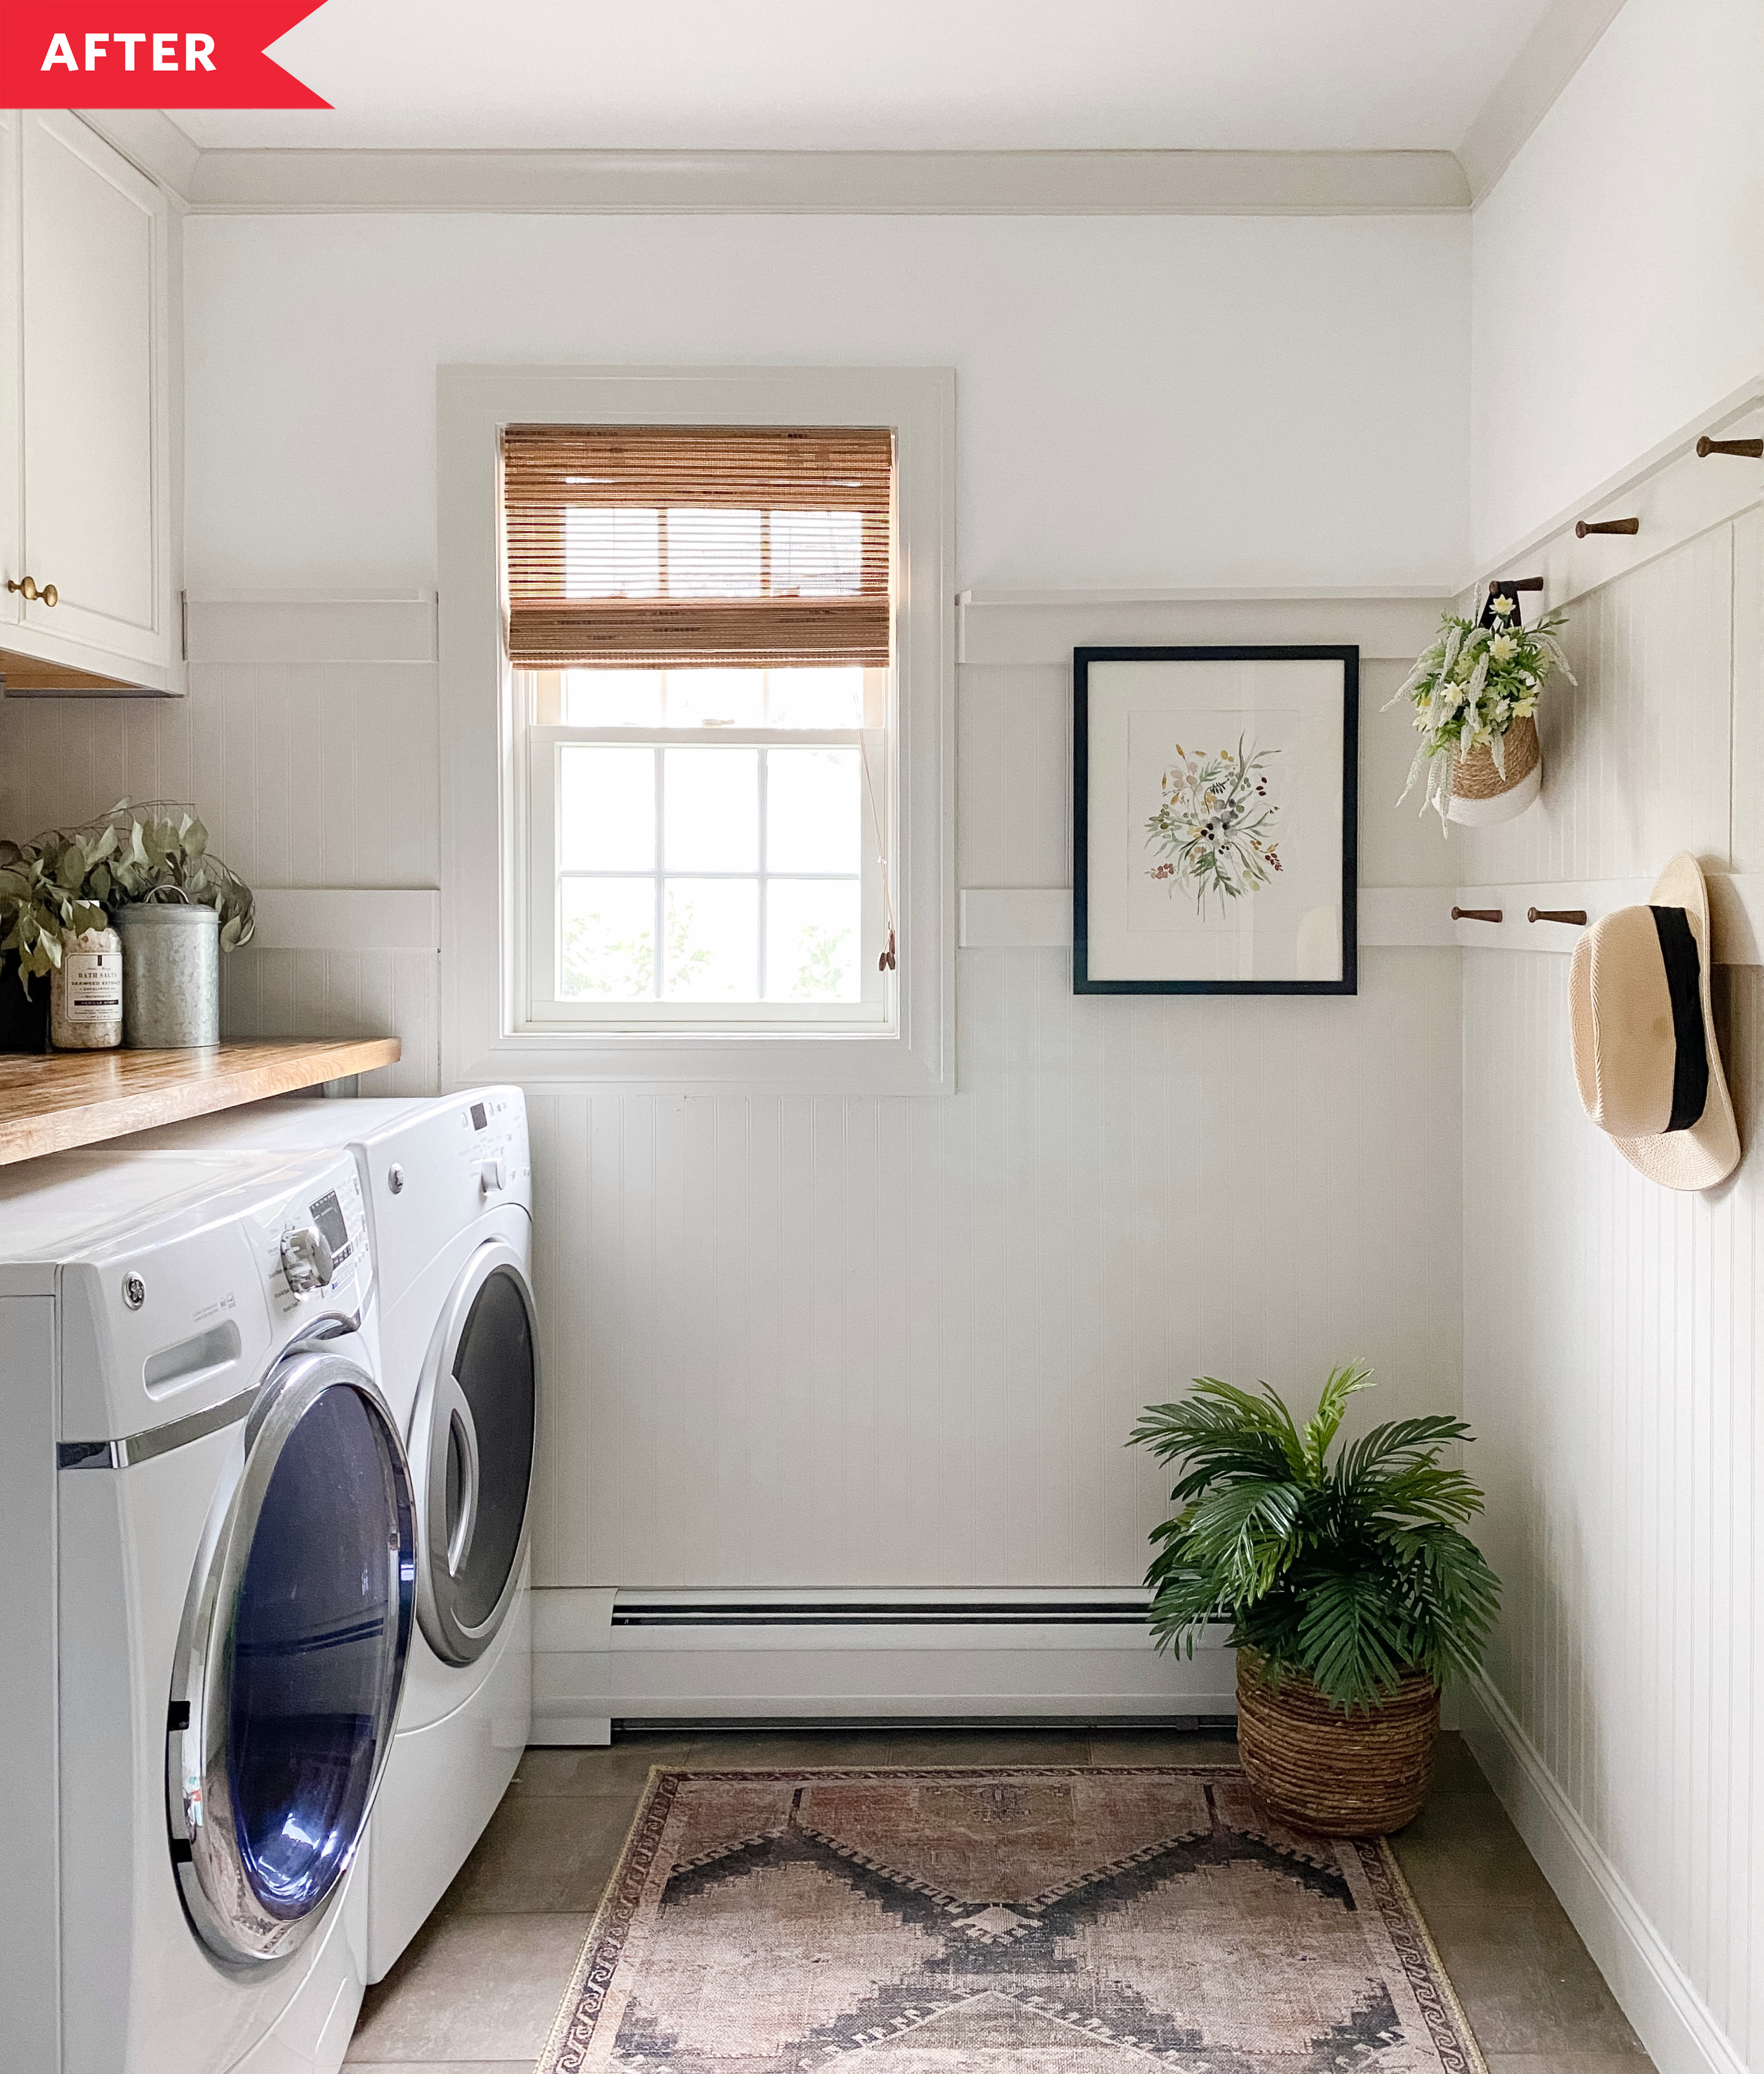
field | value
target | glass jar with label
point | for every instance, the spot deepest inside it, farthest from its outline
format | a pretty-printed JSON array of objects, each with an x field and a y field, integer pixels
[{"x": 85, "y": 991}]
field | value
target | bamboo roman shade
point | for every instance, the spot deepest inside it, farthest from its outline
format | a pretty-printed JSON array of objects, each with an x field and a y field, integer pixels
[{"x": 672, "y": 547}]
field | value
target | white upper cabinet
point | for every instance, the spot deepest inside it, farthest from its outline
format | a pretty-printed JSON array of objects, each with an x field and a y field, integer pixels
[
  {"x": 85, "y": 447},
  {"x": 11, "y": 354}
]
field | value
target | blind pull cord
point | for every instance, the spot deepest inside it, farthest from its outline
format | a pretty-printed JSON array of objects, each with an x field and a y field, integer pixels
[{"x": 886, "y": 962}]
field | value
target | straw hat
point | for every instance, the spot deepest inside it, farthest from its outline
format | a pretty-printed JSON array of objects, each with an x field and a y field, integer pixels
[{"x": 1644, "y": 1053}]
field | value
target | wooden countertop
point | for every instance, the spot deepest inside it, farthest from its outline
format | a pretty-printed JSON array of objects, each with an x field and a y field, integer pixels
[{"x": 51, "y": 1101}]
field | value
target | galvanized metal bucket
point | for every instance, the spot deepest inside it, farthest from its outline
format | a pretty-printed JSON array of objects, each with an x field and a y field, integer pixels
[{"x": 171, "y": 975}]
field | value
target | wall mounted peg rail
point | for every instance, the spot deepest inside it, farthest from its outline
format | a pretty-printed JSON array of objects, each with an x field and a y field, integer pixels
[
  {"x": 1576, "y": 916},
  {"x": 1476, "y": 915},
  {"x": 1742, "y": 450},
  {"x": 1583, "y": 527}
]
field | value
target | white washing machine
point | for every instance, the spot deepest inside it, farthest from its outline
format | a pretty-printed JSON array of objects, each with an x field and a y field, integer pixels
[
  {"x": 449, "y": 1184},
  {"x": 208, "y": 1529}
]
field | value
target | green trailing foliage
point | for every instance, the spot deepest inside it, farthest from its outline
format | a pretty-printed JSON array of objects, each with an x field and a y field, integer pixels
[
  {"x": 44, "y": 891},
  {"x": 1352, "y": 1571},
  {"x": 75, "y": 879}
]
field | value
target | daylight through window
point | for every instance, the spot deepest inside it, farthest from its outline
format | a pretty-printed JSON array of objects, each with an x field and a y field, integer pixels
[{"x": 704, "y": 685}]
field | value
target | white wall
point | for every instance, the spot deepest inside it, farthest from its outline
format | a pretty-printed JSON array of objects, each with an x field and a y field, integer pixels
[
  {"x": 810, "y": 1342},
  {"x": 800, "y": 1342},
  {"x": 1612, "y": 1341},
  {"x": 1618, "y": 263},
  {"x": 1611, "y": 1335},
  {"x": 306, "y": 774},
  {"x": 1162, "y": 401}
]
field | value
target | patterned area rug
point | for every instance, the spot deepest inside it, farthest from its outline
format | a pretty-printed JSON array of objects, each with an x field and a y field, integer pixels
[{"x": 1070, "y": 1921}]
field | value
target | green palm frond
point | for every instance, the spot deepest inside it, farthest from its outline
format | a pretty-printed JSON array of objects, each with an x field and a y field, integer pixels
[
  {"x": 1351, "y": 1571},
  {"x": 1332, "y": 1409},
  {"x": 1347, "y": 1631},
  {"x": 1246, "y": 1534},
  {"x": 1401, "y": 1436},
  {"x": 1219, "y": 1419}
]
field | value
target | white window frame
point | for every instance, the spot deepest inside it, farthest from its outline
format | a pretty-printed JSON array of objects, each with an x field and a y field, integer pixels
[
  {"x": 487, "y": 1029},
  {"x": 536, "y": 975}
]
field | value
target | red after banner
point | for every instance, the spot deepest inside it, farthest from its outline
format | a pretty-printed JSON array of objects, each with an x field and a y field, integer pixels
[{"x": 186, "y": 54}]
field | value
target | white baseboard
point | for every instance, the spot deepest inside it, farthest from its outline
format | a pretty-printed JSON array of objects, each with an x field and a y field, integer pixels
[
  {"x": 757, "y": 1657},
  {"x": 1654, "y": 1992}
]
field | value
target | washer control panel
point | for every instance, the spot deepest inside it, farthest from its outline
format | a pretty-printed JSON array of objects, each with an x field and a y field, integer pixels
[
  {"x": 492, "y": 1140},
  {"x": 320, "y": 1253}
]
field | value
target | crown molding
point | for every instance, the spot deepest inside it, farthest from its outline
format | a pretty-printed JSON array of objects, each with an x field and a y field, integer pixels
[
  {"x": 829, "y": 183},
  {"x": 151, "y": 143},
  {"x": 323, "y": 181},
  {"x": 1525, "y": 93}
]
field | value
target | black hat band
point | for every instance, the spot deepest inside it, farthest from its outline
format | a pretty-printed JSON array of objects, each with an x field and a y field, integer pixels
[{"x": 1691, "y": 1059}]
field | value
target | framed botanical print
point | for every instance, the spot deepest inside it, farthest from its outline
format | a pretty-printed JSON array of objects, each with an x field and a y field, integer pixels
[{"x": 1214, "y": 800}]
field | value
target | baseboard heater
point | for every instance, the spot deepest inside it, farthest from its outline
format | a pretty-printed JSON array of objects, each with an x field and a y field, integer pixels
[
  {"x": 635, "y": 1611},
  {"x": 655, "y": 1659}
]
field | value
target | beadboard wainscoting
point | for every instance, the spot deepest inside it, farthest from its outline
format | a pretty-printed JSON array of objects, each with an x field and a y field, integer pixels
[
  {"x": 820, "y": 1342},
  {"x": 1612, "y": 1341},
  {"x": 809, "y": 1344},
  {"x": 813, "y": 1343},
  {"x": 307, "y": 741}
]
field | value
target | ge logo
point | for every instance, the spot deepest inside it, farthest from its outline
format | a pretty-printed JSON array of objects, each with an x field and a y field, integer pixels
[{"x": 135, "y": 1291}]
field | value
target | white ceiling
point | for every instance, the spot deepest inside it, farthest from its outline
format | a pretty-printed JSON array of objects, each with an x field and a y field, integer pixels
[{"x": 949, "y": 75}]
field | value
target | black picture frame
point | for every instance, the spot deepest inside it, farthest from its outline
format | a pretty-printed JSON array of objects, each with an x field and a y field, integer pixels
[{"x": 1349, "y": 657}]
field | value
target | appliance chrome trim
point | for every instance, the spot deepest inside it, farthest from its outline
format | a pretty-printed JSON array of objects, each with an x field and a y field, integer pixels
[
  {"x": 207, "y": 1862},
  {"x": 157, "y": 1439},
  {"x": 438, "y": 1400},
  {"x": 142, "y": 1446}
]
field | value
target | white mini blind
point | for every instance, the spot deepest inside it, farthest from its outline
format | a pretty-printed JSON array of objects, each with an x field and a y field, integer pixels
[{"x": 672, "y": 547}]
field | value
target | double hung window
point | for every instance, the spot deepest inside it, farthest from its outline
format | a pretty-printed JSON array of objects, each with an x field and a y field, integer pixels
[{"x": 698, "y": 627}]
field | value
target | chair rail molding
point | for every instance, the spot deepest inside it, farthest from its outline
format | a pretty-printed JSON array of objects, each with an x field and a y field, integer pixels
[
  {"x": 1013, "y": 629},
  {"x": 1735, "y": 913},
  {"x": 1674, "y": 494}
]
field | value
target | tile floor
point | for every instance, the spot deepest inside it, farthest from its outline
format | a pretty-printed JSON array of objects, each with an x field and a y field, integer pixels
[{"x": 477, "y": 1989}]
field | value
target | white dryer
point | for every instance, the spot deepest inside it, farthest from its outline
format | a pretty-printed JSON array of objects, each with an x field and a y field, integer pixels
[
  {"x": 448, "y": 1184},
  {"x": 206, "y": 1525}
]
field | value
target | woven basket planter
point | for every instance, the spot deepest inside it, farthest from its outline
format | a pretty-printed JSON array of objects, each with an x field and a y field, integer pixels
[
  {"x": 1312, "y": 1767},
  {"x": 1481, "y": 795}
]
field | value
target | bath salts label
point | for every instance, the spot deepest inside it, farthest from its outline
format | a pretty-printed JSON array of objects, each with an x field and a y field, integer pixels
[{"x": 93, "y": 985}]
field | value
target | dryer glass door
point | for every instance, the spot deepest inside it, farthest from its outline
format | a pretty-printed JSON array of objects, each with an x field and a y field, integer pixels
[
  {"x": 471, "y": 1454},
  {"x": 289, "y": 1683}
]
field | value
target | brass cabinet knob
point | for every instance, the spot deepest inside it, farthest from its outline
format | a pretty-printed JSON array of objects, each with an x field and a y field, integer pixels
[{"x": 28, "y": 591}]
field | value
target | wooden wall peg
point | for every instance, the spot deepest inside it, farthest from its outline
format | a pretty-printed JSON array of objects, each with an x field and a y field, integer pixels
[
  {"x": 1514, "y": 583},
  {"x": 1476, "y": 915},
  {"x": 1576, "y": 916},
  {"x": 1583, "y": 526},
  {"x": 1744, "y": 449}
]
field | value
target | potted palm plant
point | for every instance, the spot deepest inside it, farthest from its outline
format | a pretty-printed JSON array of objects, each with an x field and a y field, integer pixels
[{"x": 1350, "y": 1590}]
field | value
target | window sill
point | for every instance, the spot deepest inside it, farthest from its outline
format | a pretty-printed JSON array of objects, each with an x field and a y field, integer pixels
[{"x": 832, "y": 1063}]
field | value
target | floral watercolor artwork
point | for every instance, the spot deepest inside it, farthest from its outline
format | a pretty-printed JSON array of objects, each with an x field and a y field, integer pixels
[
  {"x": 1214, "y": 833},
  {"x": 1214, "y": 819}
]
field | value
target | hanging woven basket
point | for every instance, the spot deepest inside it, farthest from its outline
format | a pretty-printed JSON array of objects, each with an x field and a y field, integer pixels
[
  {"x": 1311, "y": 1766},
  {"x": 1481, "y": 794}
]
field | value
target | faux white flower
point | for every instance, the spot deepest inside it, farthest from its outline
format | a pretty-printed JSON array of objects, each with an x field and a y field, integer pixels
[{"x": 1468, "y": 690}]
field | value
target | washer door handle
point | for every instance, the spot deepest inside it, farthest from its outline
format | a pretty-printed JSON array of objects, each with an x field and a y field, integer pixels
[{"x": 462, "y": 1430}]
